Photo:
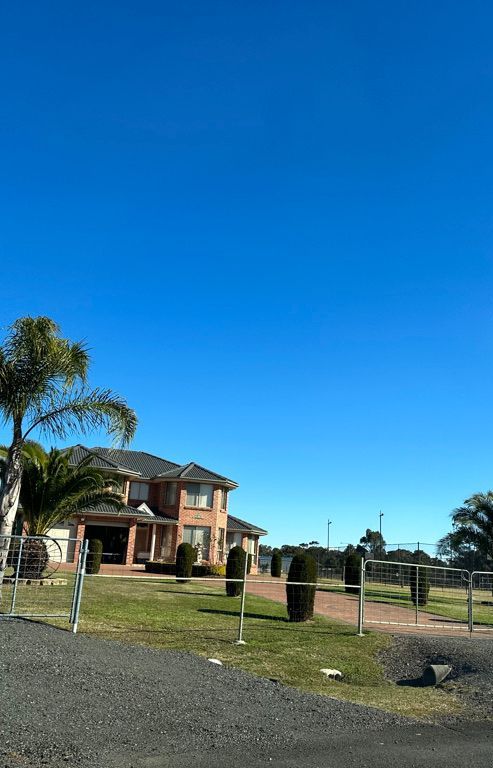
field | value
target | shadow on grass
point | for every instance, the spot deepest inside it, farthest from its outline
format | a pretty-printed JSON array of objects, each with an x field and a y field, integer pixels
[
  {"x": 247, "y": 615},
  {"x": 189, "y": 594}
]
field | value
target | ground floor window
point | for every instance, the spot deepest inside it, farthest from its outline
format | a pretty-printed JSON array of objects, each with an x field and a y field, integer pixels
[
  {"x": 198, "y": 536},
  {"x": 233, "y": 540},
  {"x": 253, "y": 548}
]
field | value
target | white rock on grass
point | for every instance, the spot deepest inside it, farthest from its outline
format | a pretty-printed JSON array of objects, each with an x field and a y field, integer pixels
[
  {"x": 215, "y": 661},
  {"x": 334, "y": 674}
]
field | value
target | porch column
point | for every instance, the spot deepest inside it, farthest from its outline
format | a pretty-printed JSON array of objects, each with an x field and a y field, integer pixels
[
  {"x": 153, "y": 542},
  {"x": 132, "y": 531}
]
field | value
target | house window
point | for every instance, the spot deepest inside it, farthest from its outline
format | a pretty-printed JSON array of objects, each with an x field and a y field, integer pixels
[
  {"x": 199, "y": 495},
  {"x": 253, "y": 548},
  {"x": 220, "y": 544},
  {"x": 139, "y": 491},
  {"x": 234, "y": 540},
  {"x": 224, "y": 498},
  {"x": 198, "y": 535},
  {"x": 170, "y": 494}
]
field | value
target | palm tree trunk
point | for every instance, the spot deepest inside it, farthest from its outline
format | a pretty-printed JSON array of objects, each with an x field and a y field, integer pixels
[{"x": 9, "y": 499}]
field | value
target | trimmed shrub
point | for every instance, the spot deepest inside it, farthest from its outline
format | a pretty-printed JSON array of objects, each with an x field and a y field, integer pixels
[
  {"x": 301, "y": 597},
  {"x": 185, "y": 558},
  {"x": 276, "y": 564},
  {"x": 235, "y": 569},
  {"x": 34, "y": 559},
  {"x": 352, "y": 573},
  {"x": 419, "y": 584},
  {"x": 94, "y": 556}
]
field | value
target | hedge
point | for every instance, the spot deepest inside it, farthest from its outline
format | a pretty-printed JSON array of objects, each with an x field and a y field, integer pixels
[{"x": 301, "y": 597}]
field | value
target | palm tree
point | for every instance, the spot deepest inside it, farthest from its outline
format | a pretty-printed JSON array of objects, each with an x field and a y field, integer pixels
[
  {"x": 43, "y": 386},
  {"x": 53, "y": 490},
  {"x": 473, "y": 524}
]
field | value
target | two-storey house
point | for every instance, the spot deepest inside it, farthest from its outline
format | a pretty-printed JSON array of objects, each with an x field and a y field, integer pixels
[{"x": 165, "y": 503}]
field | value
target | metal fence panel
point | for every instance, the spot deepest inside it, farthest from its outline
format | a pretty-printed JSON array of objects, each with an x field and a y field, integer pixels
[
  {"x": 413, "y": 595},
  {"x": 36, "y": 583},
  {"x": 482, "y": 600}
]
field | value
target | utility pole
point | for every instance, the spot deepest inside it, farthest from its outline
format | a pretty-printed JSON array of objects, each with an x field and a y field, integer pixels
[
  {"x": 381, "y": 545},
  {"x": 329, "y": 523}
]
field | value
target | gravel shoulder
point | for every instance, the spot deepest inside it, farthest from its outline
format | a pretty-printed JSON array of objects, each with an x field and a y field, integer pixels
[{"x": 81, "y": 701}]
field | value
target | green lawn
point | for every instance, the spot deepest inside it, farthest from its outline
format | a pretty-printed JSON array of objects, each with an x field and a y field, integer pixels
[{"x": 200, "y": 619}]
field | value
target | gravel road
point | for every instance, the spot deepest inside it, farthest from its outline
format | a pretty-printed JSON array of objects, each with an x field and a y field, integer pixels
[{"x": 80, "y": 701}]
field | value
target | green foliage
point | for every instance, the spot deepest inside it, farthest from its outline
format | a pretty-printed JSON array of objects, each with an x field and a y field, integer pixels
[
  {"x": 52, "y": 490},
  {"x": 94, "y": 556},
  {"x": 301, "y": 597},
  {"x": 419, "y": 584},
  {"x": 185, "y": 558},
  {"x": 235, "y": 569},
  {"x": 352, "y": 573},
  {"x": 276, "y": 564},
  {"x": 249, "y": 563},
  {"x": 43, "y": 386}
]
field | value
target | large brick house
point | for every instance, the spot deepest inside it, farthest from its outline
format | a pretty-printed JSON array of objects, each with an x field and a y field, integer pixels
[{"x": 165, "y": 503}]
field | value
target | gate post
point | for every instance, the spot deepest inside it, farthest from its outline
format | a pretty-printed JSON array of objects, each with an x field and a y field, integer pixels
[
  {"x": 470, "y": 617},
  {"x": 361, "y": 602},
  {"x": 16, "y": 577},
  {"x": 81, "y": 572}
]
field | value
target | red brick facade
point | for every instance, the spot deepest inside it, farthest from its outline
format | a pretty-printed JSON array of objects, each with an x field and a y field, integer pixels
[{"x": 168, "y": 535}]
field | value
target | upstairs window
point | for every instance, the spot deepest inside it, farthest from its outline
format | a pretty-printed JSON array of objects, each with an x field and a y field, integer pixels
[
  {"x": 224, "y": 498},
  {"x": 170, "y": 494},
  {"x": 139, "y": 491},
  {"x": 199, "y": 495}
]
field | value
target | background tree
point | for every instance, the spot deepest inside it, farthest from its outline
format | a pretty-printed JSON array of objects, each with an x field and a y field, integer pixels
[
  {"x": 473, "y": 525},
  {"x": 43, "y": 386},
  {"x": 373, "y": 542}
]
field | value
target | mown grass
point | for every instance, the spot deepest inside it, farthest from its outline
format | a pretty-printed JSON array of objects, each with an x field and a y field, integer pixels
[{"x": 201, "y": 619}]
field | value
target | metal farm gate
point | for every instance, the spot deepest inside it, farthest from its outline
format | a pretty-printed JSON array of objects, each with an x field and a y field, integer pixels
[
  {"x": 43, "y": 578},
  {"x": 426, "y": 596}
]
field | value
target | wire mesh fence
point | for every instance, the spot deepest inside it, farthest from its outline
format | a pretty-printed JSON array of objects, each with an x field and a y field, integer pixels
[
  {"x": 413, "y": 595},
  {"x": 34, "y": 584},
  {"x": 482, "y": 600}
]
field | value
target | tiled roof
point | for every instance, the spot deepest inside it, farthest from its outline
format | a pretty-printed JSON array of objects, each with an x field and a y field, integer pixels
[
  {"x": 195, "y": 472},
  {"x": 125, "y": 512},
  {"x": 235, "y": 524},
  {"x": 146, "y": 466},
  {"x": 80, "y": 453}
]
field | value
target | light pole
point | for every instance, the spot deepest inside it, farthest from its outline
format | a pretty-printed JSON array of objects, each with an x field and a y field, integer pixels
[
  {"x": 329, "y": 523},
  {"x": 381, "y": 546}
]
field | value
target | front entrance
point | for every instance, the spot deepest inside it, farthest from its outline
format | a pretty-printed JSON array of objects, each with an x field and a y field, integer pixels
[{"x": 115, "y": 540}]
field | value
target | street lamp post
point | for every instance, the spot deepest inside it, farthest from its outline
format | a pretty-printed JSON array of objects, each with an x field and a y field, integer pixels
[
  {"x": 329, "y": 523},
  {"x": 381, "y": 545}
]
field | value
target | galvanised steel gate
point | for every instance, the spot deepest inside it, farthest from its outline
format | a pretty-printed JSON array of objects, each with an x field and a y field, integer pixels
[
  {"x": 43, "y": 578},
  {"x": 426, "y": 596}
]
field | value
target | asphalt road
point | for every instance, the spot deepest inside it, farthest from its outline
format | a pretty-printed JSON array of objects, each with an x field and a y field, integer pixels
[{"x": 79, "y": 701}]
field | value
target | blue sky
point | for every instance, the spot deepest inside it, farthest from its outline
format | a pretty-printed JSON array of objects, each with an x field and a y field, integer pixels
[{"x": 272, "y": 222}]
